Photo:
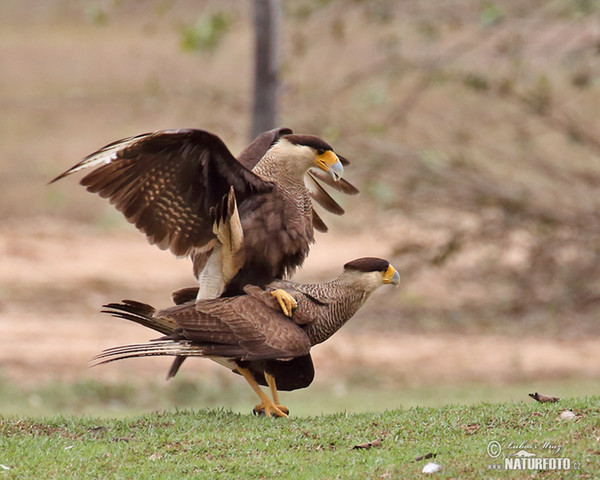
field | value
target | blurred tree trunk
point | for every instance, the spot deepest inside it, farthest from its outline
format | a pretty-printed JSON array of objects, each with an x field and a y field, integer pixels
[{"x": 267, "y": 15}]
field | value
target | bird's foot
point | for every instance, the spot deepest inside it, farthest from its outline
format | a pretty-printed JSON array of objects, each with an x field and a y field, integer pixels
[
  {"x": 266, "y": 410},
  {"x": 286, "y": 301}
]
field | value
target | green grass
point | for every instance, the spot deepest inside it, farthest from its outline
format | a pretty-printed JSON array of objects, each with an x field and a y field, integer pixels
[{"x": 223, "y": 444}]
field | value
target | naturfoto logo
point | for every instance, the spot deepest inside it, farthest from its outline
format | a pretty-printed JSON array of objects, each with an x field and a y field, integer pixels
[{"x": 521, "y": 457}]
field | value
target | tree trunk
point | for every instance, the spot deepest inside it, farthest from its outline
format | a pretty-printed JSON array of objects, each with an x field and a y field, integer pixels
[{"x": 266, "y": 25}]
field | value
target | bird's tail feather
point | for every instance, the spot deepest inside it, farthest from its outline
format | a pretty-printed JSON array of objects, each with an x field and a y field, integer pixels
[
  {"x": 175, "y": 366},
  {"x": 149, "y": 349},
  {"x": 165, "y": 347},
  {"x": 142, "y": 314}
]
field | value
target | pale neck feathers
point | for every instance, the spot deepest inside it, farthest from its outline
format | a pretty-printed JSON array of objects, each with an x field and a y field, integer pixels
[
  {"x": 345, "y": 295},
  {"x": 286, "y": 163}
]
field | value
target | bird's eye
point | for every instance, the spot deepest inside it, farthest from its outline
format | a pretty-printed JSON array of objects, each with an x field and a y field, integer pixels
[{"x": 320, "y": 151}]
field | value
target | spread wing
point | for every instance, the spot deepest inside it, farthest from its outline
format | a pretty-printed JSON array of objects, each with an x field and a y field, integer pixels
[{"x": 165, "y": 183}]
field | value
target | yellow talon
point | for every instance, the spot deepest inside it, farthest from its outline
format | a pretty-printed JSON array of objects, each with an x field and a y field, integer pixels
[
  {"x": 267, "y": 404},
  {"x": 286, "y": 301},
  {"x": 277, "y": 410}
]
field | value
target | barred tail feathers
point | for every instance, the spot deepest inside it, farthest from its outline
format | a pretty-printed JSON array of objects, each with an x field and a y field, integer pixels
[
  {"x": 142, "y": 314},
  {"x": 148, "y": 349}
]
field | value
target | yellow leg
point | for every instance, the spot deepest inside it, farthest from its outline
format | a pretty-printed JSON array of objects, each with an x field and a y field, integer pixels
[
  {"x": 286, "y": 301},
  {"x": 273, "y": 387},
  {"x": 268, "y": 405}
]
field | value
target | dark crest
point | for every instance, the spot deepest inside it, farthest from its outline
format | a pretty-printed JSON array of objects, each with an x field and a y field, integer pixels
[
  {"x": 368, "y": 264},
  {"x": 309, "y": 141}
]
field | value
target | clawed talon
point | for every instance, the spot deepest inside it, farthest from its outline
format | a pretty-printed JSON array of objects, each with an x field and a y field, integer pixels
[
  {"x": 277, "y": 410},
  {"x": 267, "y": 406},
  {"x": 286, "y": 301}
]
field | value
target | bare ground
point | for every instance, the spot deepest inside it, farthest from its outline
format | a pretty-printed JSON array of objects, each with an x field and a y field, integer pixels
[{"x": 54, "y": 277}]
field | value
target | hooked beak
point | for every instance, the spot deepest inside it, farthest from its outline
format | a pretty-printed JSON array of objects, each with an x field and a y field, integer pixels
[
  {"x": 330, "y": 163},
  {"x": 391, "y": 276},
  {"x": 336, "y": 171}
]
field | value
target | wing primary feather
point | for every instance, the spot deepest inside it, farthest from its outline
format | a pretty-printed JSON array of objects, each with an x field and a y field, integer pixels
[
  {"x": 320, "y": 195},
  {"x": 318, "y": 223},
  {"x": 341, "y": 185},
  {"x": 105, "y": 155},
  {"x": 343, "y": 160},
  {"x": 165, "y": 183}
]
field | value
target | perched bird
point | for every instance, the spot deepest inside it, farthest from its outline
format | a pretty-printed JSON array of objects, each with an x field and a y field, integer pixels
[
  {"x": 249, "y": 333},
  {"x": 166, "y": 183}
]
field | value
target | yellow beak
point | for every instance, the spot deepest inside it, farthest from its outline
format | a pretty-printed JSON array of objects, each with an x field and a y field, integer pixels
[
  {"x": 391, "y": 276},
  {"x": 330, "y": 163}
]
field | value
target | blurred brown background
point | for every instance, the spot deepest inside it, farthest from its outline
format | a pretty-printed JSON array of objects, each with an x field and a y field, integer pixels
[{"x": 473, "y": 128}]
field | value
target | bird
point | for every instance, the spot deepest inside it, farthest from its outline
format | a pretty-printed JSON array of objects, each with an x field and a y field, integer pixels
[
  {"x": 166, "y": 182},
  {"x": 250, "y": 334}
]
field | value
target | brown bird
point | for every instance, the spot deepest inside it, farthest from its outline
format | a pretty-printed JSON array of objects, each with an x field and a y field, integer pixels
[
  {"x": 249, "y": 333},
  {"x": 540, "y": 397},
  {"x": 166, "y": 183}
]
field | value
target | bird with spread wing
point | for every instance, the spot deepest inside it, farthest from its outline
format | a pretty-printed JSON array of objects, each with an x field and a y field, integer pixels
[
  {"x": 250, "y": 334},
  {"x": 166, "y": 183}
]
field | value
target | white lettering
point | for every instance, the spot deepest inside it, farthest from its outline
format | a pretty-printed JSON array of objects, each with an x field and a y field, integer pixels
[
  {"x": 537, "y": 463},
  {"x": 555, "y": 448}
]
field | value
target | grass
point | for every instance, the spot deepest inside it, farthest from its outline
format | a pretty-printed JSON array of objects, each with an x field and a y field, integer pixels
[{"x": 220, "y": 443}]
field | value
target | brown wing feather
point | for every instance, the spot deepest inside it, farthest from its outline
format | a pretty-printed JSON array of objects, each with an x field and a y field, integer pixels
[
  {"x": 238, "y": 327},
  {"x": 318, "y": 223},
  {"x": 276, "y": 243},
  {"x": 165, "y": 183},
  {"x": 253, "y": 324},
  {"x": 184, "y": 295},
  {"x": 320, "y": 195},
  {"x": 341, "y": 185}
]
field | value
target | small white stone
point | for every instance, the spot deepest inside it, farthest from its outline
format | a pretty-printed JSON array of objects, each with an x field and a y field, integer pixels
[
  {"x": 432, "y": 468},
  {"x": 567, "y": 415}
]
